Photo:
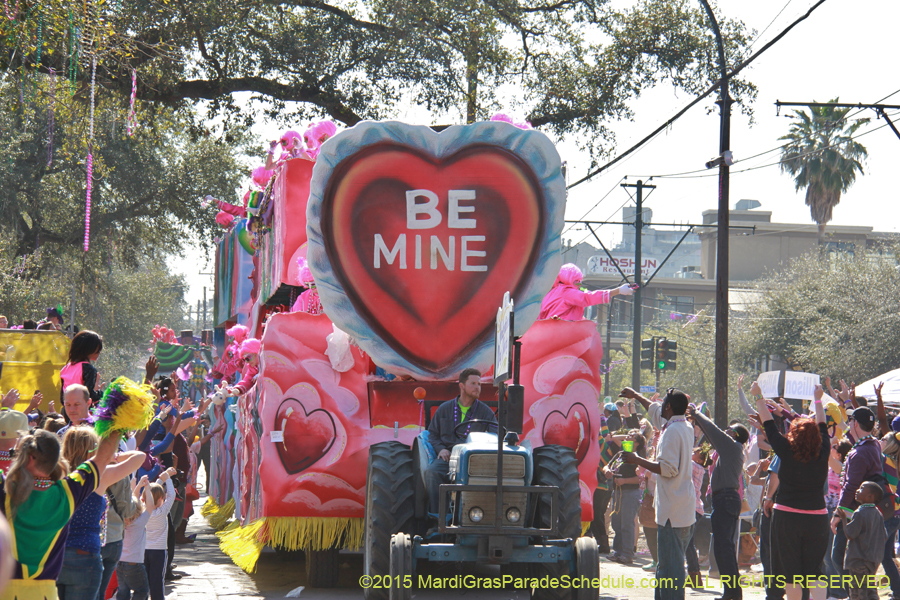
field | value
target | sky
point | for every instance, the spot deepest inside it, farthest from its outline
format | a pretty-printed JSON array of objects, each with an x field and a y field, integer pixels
[{"x": 845, "y": 49}]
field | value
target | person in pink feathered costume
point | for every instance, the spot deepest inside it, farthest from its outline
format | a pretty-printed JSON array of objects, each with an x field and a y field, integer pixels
[
  {"x": 318, "y": 134},
  {"x": 291, "y": 147},
  {"x": 231, "y": 362},
  {"x": 229, "y": 212},
  {"x": 250, "y": 356},
  {"x": 565, "y": 301},
  {"x": 308, "y": 301}
]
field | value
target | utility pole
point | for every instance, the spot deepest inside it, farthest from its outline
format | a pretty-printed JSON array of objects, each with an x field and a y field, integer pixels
[
  {"x": 636, "y": 303},
  {"x": 204, "y": 308},
  {"x": 721, "y": 372}
]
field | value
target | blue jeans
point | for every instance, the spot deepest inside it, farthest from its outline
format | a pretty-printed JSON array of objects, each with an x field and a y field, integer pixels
[
  {"x": 626, "y": 507},
  {"x": 133, "y": 584},
  {"x": 109, "y": 554},
  {"x": 80, "y": 576},
  {"x": 890, "y": 567},
  {"x": 438, "y": 472},
  {"x": 155, "y": 563},
  {"x": 838, "y": 549},
  {"x": 828, "y": 567},
  {"x": 672, "y": 542},
  {"x": 724, "y": 520},
  {"x": 690, "y": 553}
]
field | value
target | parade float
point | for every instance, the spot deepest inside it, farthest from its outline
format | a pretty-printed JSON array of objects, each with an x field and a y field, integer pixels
[{"x": 377, "y": 269}]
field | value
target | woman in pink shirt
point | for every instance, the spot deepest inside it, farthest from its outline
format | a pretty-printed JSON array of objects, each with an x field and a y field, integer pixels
[{"x": 565, "y": 301}]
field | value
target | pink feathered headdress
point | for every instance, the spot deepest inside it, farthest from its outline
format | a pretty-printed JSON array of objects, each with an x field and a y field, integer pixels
[
  {"x": 261, "y": 176},
  {"x": 290, "y": 139},
  {"x": 569, "y": 274},
  {"x": 317, "y": 134},
  {"x": 238, "y": 332},
  {"x": 507, "y": 119},
  {"x": 251, "y": 346},
  {"x": 305, "y": 275}
]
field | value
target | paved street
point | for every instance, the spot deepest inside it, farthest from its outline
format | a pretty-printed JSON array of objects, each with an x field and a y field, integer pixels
[{"x": 210, "y": 575}]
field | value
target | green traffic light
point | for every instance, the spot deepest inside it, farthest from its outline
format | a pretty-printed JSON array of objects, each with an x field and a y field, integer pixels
[{"x": 661, "y": 365}]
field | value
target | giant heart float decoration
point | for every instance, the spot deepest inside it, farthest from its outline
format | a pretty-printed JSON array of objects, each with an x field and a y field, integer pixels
[{"x": 414, "y": 237}]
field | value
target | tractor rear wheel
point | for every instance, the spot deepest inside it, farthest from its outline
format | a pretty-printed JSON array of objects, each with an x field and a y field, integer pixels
[
  {"x": 390, "y": 508},
  {"x": 557, "y": 466}
]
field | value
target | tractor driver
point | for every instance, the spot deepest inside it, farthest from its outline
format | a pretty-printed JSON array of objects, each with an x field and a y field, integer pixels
[{"x": 444, "y": 434}]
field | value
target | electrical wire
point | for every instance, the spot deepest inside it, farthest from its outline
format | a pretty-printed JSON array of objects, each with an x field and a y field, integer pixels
[
  {"x": 611, "y": 190},
  {"x": 763, "y": 32}
]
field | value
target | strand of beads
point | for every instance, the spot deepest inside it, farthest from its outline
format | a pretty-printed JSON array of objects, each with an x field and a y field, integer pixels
[
  {"x": 90, "y": 159},
  {"x": 50, "y": 116}
]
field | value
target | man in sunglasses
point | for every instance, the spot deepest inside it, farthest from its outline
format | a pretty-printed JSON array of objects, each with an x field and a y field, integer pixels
[
  {"x": 726, "y": 498},
  {"x": 675, "y": 496}
]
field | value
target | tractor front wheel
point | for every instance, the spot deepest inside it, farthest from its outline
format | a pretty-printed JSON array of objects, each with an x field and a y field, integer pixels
[{"x": 390, "y": 509}]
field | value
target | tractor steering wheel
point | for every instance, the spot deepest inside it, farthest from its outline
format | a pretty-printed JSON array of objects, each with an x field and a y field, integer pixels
[{"x": 479, "y": 421}]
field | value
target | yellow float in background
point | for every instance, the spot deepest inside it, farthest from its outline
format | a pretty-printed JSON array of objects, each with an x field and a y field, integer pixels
[{"x": 31, "y": 360}]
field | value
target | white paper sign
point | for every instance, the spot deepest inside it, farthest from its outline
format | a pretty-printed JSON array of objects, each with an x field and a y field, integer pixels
[
  {"x": 800, "y": 385},
  {"x": 277, "y": 436},
  {"x": 768, "y": 383}
]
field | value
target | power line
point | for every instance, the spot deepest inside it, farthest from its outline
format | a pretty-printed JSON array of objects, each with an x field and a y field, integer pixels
[
  {"x": 611, "y": 190},
  {"x": 759, "y": 36},
  {"x": 701, "y": 97}
]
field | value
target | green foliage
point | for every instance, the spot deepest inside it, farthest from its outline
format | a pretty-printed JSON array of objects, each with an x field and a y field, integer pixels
[
  {"x": 822, "y": 156},
  {"x": 571, "y": 65},
  {"x": 832, "y": 314}
]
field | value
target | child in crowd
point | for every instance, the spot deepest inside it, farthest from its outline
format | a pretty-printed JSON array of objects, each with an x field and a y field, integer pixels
[
  {"x": 157, "y": 533},
  {"x": 866, "y": 537},
  {"x": 131, "y": 573}
]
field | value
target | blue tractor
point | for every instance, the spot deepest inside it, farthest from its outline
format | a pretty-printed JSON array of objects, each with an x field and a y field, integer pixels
[{"x": 528, "y": 520}]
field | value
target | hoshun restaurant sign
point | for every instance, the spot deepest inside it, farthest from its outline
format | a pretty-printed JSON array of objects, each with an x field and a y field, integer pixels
[{"x": 602, "y": 265}]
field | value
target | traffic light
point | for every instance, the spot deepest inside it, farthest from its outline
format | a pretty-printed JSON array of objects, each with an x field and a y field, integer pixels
[
  {"x": 647, "y": 354},
  {"x": 666, "y": 355}
]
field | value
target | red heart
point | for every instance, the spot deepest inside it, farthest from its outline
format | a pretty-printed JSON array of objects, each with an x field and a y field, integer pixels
[
  {"x": 308, "y": 436},
  {"x": 572, "y": 429},
  {"x": 432, "y": 317}
]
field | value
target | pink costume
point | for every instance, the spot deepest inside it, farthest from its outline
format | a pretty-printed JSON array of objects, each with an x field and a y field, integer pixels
[
  {"x": 248, "y": 379},
  {"x": 308, "y": 301},
  {"x": 565, "y": 300}
]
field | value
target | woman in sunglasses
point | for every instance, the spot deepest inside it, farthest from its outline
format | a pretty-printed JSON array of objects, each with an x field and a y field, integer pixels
[{"x": 250, "y": 356}]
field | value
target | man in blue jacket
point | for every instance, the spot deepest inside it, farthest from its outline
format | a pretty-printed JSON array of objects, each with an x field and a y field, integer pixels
[{"x": 444, "y": 433}]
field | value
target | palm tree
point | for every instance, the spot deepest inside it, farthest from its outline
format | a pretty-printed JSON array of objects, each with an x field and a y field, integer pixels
[{"x": 822, "y": 156}]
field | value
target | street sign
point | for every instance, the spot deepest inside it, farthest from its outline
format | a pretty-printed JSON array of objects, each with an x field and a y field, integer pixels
[{"x": 648, "y": 389}]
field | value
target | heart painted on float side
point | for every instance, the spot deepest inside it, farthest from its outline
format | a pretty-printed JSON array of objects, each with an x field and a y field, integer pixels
[
  {"x": 571, "y": 429},
  {"x": 308, "y": 436},
  {"x": 427, "y": 313}
]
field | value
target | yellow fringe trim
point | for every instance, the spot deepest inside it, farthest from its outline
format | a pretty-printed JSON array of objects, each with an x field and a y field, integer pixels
[
  {"x": 209, "y": 507},
  {"x": 585, "y": 525},
  {"x": 242, "y": 544},
  {"x": 314, "y": 533},
  {"x": 221, "y": 517}
]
